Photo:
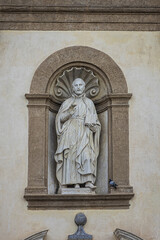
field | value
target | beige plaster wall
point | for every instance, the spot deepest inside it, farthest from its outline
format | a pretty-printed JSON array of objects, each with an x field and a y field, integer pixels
[{"x": 138, "y": 55}]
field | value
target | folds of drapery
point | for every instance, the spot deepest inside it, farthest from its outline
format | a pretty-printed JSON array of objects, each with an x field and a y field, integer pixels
[{"x": 84, "y": 151}]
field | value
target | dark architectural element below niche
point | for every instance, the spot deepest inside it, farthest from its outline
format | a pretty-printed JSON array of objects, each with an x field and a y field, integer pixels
[{"x": 80, "y": 234}]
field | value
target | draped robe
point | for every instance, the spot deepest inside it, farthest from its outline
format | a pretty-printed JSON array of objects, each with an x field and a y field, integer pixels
[{"x": 78, "y": 146}]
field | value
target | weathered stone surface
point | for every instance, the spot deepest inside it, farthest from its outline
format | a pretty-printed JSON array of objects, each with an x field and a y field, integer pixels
[
  {"x": 77, "y": 201},
  {"x": 76, "y": 191},
  {"x": 96, "y": 15}
]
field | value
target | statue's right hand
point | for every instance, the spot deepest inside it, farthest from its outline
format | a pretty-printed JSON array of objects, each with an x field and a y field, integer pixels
[{"x": 72, "y": 109}]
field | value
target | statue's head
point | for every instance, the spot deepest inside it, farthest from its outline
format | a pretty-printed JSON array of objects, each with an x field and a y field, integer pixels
[{"x": 78, "y": 86}]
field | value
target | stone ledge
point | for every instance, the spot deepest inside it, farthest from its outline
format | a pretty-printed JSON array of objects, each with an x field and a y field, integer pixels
[
  {"x": 64, "y": 15},
  {"x": 83, "y": 5},
  {"x": 57, "y": 201}
]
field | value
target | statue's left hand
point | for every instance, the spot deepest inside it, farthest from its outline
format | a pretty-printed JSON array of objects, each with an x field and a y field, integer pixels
[{"x": 92, "y": 127}]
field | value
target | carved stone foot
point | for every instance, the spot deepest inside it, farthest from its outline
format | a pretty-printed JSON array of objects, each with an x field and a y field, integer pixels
[
  {"x": 90, "y": 185},
  {"x": 77, "y": 186}
]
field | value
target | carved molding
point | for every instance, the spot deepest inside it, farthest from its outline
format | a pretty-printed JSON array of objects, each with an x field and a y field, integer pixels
[
  {"x": 97, "y": 15},
  {"x": 38, "y": 236},
  {"x": 42, "y": 100},
  {"x": 58, "y": 201},
  {"x": 48, "y": 101},
  {"x": 124, "y": 235}
]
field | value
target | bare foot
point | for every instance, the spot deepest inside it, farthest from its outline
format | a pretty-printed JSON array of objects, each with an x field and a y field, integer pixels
[
  {"x": 76, "y": 186},
  {"x": 90, "y": 185}
]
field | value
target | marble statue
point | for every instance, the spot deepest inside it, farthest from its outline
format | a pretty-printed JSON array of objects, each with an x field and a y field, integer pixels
[{"x": 78, "y": 132}]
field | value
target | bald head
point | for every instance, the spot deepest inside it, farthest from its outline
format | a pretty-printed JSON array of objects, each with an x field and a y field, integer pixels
[{"x": 78, "y": 86}]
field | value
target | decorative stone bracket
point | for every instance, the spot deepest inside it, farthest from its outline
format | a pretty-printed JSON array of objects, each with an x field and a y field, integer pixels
[
  {"x": 38, "y": 236},
  {"x": 123, "y": 235}
]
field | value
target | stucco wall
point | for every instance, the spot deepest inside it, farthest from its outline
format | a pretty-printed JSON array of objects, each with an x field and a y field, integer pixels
[{"x": 138, "y": 55}]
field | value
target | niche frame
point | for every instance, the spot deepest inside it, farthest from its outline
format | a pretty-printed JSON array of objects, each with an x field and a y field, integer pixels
[{"x": 40, "y": 102}]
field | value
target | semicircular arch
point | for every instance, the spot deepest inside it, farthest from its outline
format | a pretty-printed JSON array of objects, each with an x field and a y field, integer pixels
[{"x": 74, "y": 54}]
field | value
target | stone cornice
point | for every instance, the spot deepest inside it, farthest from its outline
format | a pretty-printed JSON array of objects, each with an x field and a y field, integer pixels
[
  {"x": 84, "y": 5},
  {"x": 89, "y": 9},
  {"x": 58, "y": 201},
  {"x": 47, "y": 100},
  {"x": 42, "y": 100},
  {"x": 120, "y": 96},
  {"x": 81, "y": 15}
]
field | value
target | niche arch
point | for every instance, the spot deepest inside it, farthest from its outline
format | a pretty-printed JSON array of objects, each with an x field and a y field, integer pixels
[
  {"x": 81, "y": 54},
  {"x": 40, "y": 191}
]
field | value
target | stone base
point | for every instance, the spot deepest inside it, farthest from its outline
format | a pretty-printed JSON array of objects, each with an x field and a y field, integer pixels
[
  {"x": 122, "y": 189},
  {"x": 76, "y": 191}
]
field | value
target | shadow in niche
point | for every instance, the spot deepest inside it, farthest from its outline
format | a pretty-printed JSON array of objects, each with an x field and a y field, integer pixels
[
  {"x": 52, "y": 146},
  {"x": 102, "y": 161}
]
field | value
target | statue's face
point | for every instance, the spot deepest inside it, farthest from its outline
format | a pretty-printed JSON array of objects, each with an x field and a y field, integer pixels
[{"x": 78, "y": 86}]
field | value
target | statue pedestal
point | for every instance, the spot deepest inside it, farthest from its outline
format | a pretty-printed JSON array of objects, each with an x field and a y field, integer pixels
[{"x": 76, "y": 191}]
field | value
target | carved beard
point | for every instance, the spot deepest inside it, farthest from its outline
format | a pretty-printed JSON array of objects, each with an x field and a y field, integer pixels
[{"x": 78, "y": 96}]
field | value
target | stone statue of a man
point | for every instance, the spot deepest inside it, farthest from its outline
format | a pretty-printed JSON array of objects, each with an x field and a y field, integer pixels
[{"x": 78, "y": 131}]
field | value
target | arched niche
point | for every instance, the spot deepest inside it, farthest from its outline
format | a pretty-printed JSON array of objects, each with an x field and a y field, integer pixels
[{"x": 112, "y": 106}]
